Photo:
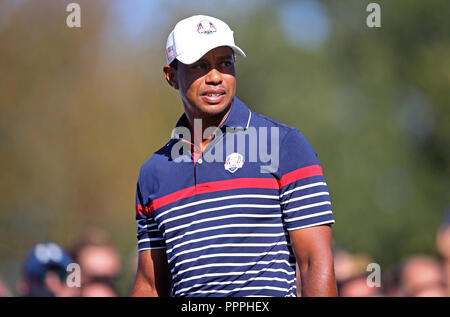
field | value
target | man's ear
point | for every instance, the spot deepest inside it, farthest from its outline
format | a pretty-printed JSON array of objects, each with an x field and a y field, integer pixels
[{"x": 170, "y": 74}]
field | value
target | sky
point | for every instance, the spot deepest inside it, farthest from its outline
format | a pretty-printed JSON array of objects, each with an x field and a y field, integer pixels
[{"x": 306, "y": 23}]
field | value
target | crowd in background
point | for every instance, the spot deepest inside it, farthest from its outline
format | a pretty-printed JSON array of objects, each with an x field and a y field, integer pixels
[
  {"x": 45, "y": 273},
  {"x": 45, "y": 269},
  {"x": 418, "y": 275}
]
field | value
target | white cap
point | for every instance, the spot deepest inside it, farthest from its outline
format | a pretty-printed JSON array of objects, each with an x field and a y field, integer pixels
[{"x": 195, "y": 36}]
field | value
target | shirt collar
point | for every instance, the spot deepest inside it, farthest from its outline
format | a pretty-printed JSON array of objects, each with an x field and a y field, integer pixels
[{"x": 239, "y": 116}]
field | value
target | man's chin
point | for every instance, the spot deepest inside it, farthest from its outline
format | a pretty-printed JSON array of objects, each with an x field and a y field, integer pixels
[{"x": 212, "y": 110}]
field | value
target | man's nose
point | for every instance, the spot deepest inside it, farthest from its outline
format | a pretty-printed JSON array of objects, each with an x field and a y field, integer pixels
[{"x": 214, "y": 77}]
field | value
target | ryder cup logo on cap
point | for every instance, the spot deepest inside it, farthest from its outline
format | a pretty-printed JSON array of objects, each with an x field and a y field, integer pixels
[
  {"x": 206, "y": 27},
  {"x": 234, "y": 162},
  {"x": 195, "y": 36}
]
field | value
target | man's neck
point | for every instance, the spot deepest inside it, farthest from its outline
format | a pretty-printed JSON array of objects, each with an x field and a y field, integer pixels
[{"x": 199, "y": 139}]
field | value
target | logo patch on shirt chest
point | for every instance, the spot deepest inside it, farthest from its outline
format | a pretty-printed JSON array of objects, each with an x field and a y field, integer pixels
[{"x": 234, "y": 162}]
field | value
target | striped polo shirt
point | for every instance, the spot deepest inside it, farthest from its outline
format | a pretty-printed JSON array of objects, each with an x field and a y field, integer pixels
[{"x": 224, "y": 223}]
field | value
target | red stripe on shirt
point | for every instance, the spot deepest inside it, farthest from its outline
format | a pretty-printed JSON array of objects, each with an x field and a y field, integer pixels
[
  {"x": 211, "y": 187},
  {"x": 140, "y": 210},
  {"x": 304, "y": 172}
]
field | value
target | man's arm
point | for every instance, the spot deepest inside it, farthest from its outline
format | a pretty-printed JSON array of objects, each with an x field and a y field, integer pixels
[
  {"x": 152, "y": 278},
  {"x": 312, "y": 248}
]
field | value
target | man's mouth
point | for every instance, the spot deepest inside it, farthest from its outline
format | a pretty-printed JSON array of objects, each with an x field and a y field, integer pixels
[{"x": 213, "y": 96}]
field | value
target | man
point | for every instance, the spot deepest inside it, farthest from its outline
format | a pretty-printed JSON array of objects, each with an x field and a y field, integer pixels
[
  {"x": 443, "y": 248},
  {"x": 45, "y": 272},
  {"x": 214, "y": 218},
  {"x": 422, "y": 276},
  {"x": 99, "y": 261}
]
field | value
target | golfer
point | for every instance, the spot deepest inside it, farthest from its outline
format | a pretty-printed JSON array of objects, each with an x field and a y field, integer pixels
[{"x": 234, "y": 199}]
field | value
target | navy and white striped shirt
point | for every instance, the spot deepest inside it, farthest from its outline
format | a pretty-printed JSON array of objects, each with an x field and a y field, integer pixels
[{"x": 226, "y": 230}]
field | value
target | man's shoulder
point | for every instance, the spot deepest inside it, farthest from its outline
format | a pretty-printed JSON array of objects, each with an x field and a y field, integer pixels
[
  {"x": 285, "y": 132},
  {"x": 295, "y": 149},
  {"x": 158, "y": 158}
]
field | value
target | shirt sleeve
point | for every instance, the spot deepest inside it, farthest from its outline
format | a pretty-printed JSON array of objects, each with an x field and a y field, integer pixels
[
  {"x": 148, "y": 234},
  {"x": 304, "y": 196}
]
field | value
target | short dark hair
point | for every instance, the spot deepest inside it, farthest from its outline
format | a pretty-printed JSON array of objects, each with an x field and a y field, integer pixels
[{"x": 174, "y": 64}]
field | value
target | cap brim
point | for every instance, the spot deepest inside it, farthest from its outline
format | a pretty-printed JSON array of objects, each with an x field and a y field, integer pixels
[{"x": 195, "y": 55}]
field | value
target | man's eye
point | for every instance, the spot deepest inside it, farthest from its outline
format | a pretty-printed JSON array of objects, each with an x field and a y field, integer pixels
[
  {"x": 226, "y": 64},
  {"x": 199, "y": 66}
]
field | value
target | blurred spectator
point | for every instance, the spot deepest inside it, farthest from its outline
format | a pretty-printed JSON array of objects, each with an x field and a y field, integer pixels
[
  {"x": 99, "y": 262},
  {"x": 351, "y": 275},
  {"x": 98, "y": 289},
  {"x": 422, "y": 275},
  {"x": 432, "y": 292},
  {"x": 391, "y": 283},
  {"x": 44, "y": 272},
  {"x": 344, "y": 266},
  {"x": 443, "y": 248},
  {"x": 4, "y": 291},
  {"x": 357, "y": 287}
]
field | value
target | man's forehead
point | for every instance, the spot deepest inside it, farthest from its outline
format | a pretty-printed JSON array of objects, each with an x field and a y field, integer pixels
[{"x": 222, "y": 52}]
